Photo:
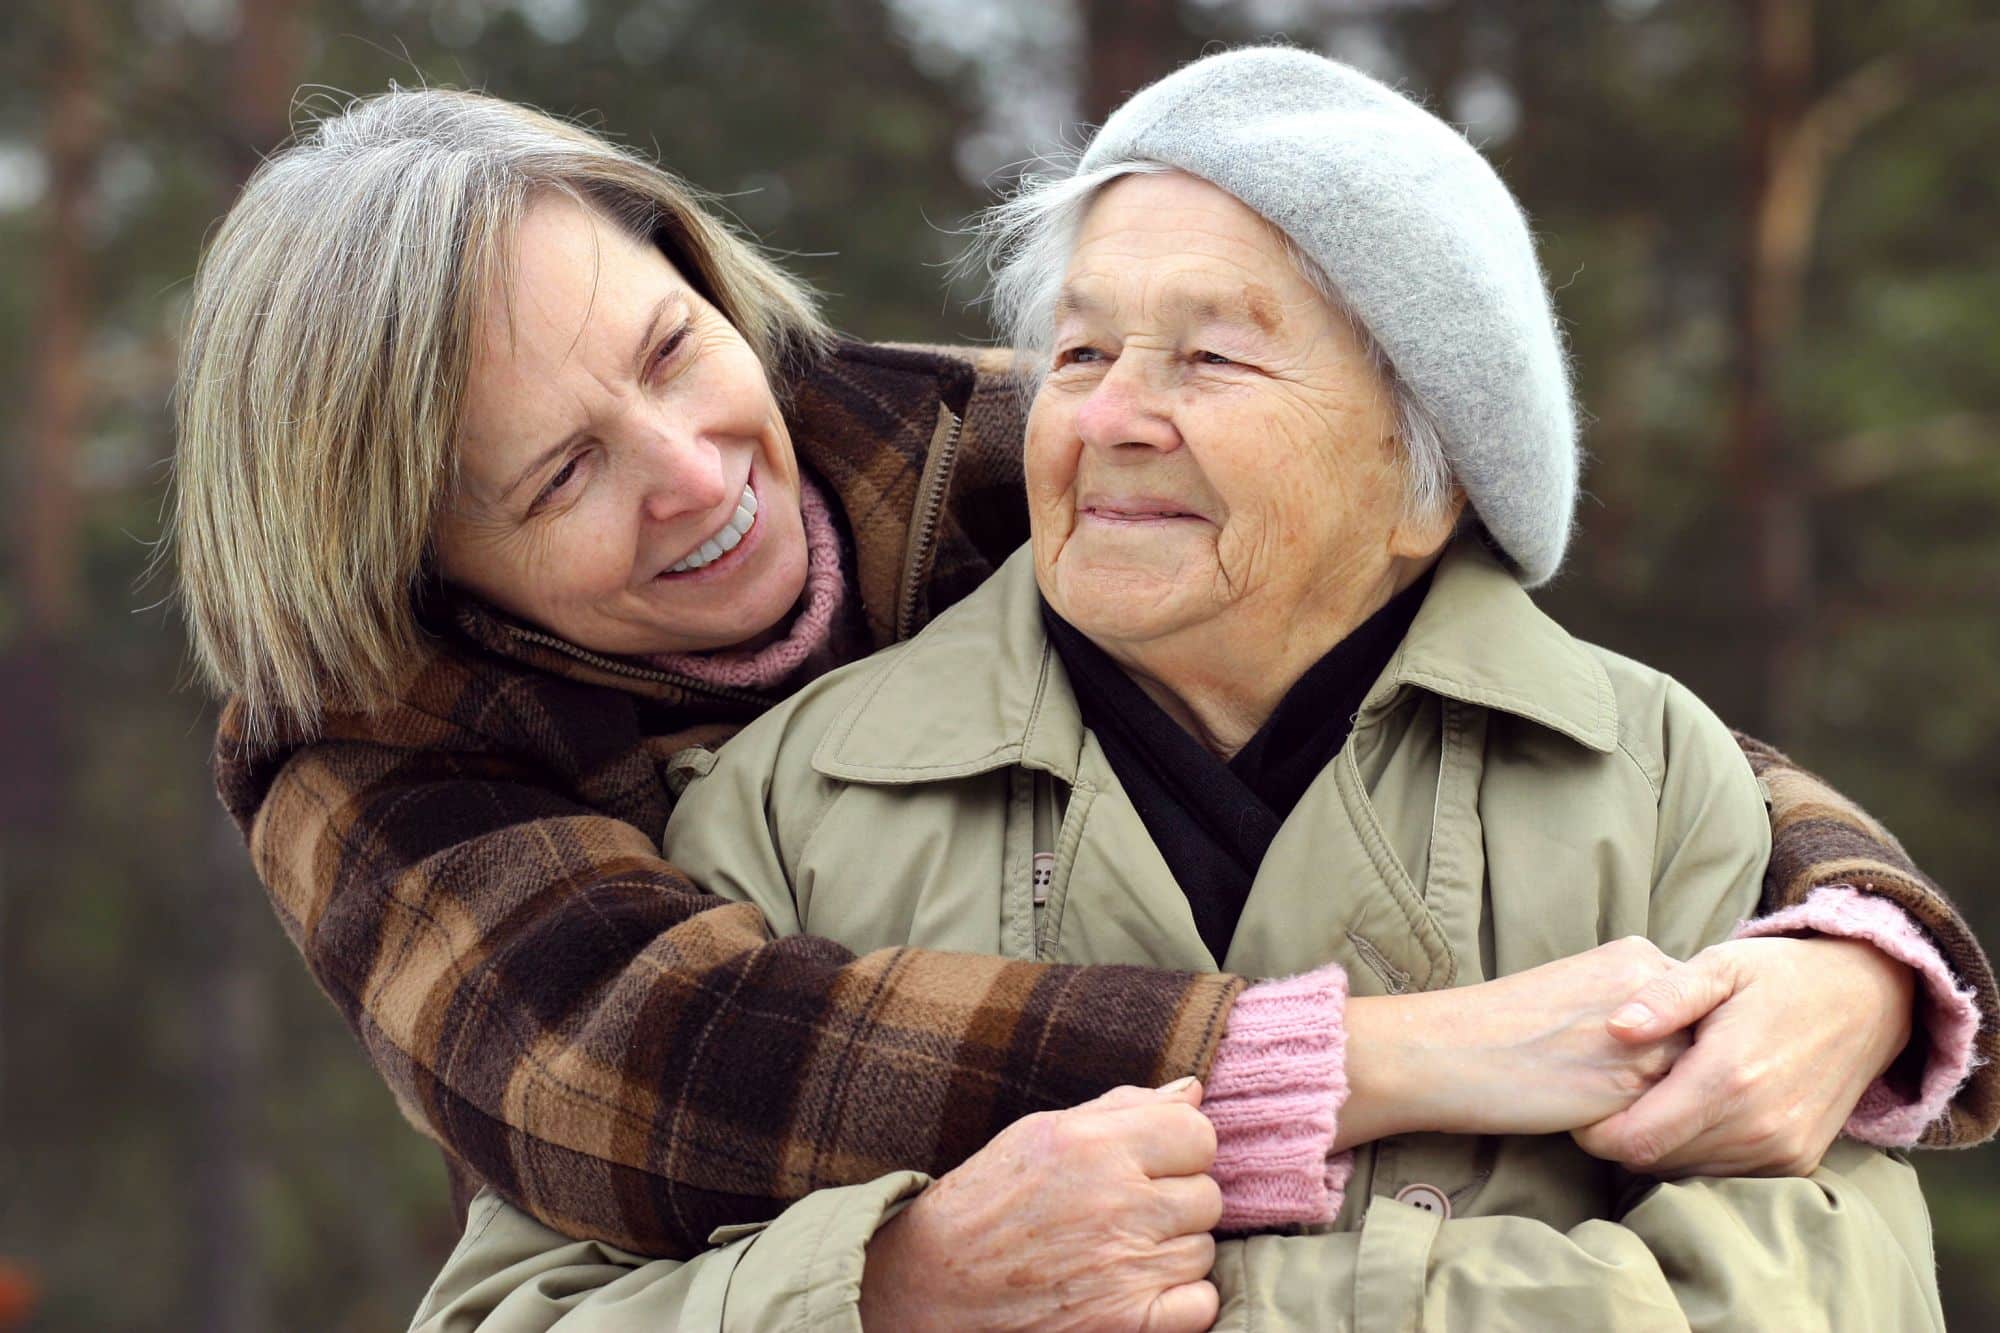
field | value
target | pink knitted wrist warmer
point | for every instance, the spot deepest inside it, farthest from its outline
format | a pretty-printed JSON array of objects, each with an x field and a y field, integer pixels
[
  {"x": 1950, "y": 1015},
  {"x": 826, "y": 588},
  {"x": 1274, "y": 1096},
  {"x": 1279, "y": 1079}
]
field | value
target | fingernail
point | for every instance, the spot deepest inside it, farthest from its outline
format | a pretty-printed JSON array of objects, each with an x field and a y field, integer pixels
[
  {"x": 1631, "y": 1016},
  {"x": 1169, "y": 1089}
]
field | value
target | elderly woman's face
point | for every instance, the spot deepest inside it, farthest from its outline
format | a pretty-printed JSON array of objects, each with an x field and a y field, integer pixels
[
  {"x": 619, "y": 431},
  {"x": 1210, "y": 449}
]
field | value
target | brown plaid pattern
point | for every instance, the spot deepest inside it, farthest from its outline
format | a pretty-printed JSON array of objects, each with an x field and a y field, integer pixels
[
  {"x": 473, "y": 878},
  {"x": 1820, "y": 837}
]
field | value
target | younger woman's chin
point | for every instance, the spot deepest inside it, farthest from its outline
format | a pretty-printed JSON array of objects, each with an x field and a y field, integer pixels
[{"x": 753, "y": 615}]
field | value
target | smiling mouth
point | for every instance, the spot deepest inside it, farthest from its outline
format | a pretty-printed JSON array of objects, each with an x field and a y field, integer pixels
[
  {"x": 1109, "y": 515},
  {"x": 724, "y": 539}
]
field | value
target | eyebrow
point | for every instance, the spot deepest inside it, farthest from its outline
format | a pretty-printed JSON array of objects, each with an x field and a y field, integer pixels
[
  {"x": 562, "y": 446},
  {"x": 1258, "y": 307},
  {"x": 1070, "y": 301}
]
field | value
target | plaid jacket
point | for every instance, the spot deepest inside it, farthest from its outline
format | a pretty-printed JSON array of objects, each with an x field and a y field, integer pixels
[{"x": 474, "y": 878}]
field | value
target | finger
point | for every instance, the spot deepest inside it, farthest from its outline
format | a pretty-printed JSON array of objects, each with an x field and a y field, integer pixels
[
  {"x": 1727, "y": 1148},
  {"x": 1675, "y": 1110},
  {"x": 1182, "y": 1259},
  {"x": 1189, "y": 1308},
  {"x": 1664, "y": 1054},
  {"x": 1712, "y": 1152},
  {"x": 1733, "y": 1161},
  {"x": 1186, "y": 1089},
  {"x": 1680, "y": 997},
  {"x": 1187, "y": 1205},
  {"x": 1696, "y": 1159},
  {"x": 1124, "y": 1095},
  {"x": 1165, "y": 1139}
]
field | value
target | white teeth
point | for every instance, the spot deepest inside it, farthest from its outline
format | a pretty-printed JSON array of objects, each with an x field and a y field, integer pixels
[{"x": 726, "y": 540}]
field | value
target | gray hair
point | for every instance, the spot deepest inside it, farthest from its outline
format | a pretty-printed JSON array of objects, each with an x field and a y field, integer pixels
[
  {"x": 324, "y": 370},
  {"x": 1023, "y": 243}
]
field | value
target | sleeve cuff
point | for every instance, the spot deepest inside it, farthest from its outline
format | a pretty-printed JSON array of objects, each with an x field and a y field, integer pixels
[
  {"x": 1949, "y": 1014},
  {"x": 1274, "y": 1095},
  {"x": 1393, "y": 1264},
  {"x": 804, "y": 1269}
]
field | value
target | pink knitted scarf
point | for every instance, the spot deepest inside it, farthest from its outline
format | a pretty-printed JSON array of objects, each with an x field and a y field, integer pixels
[{"x": 826, "y": 589}]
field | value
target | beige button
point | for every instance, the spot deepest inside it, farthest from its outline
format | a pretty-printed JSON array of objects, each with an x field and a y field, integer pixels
[{"x": 1427, "y": 1197}]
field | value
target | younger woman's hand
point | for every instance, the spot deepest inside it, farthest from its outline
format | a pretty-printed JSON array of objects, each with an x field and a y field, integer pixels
[
  {"x": 1789, "y": 1032},
  {"x": 1529, "y": 1053}
]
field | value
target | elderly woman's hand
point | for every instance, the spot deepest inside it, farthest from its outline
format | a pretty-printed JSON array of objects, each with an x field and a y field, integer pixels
[
  {"x": 1788, "y": 1034},
  {"x": 1096, "y": 1217},
  {"x": 1529, "y": 1053}
]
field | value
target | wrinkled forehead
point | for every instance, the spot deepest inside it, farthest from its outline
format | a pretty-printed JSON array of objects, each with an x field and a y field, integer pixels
[
  {"x": 563, "y": 270},
  {"x": 1187, "y": 251},
  {"x": 1187, "y": 298}
]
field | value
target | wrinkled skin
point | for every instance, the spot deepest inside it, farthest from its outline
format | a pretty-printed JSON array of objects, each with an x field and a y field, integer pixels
[
  {"x": 1094, "y": 1218},
  {"x": 1215, "y": 491}
]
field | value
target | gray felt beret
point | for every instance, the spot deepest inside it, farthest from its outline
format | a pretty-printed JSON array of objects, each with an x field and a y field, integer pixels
[{"x": 1419, "y": 235}]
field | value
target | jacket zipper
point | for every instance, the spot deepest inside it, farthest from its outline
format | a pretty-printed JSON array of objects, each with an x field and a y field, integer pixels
[
  {"x": 923, "y": 528},
  {"x": 617, "y": 667},
  {"x": 1047, "y": 827}
]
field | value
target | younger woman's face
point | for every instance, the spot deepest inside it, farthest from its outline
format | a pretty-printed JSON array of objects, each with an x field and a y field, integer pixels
[{"x": 626, "y": 481}]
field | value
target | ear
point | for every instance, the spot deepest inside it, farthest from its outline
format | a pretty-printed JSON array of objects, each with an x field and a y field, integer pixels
[{"x": 1421, "y": 536}]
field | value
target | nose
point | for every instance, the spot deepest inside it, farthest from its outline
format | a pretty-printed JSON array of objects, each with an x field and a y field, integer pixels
[
  {"x": 1129, "y": 408},
  {"x": 681, "y": 472}
]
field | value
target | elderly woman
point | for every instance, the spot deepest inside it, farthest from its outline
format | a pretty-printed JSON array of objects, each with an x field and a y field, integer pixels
[
  {"x": 506, "y": 474},
  {"x": 1253, "y": 693}
]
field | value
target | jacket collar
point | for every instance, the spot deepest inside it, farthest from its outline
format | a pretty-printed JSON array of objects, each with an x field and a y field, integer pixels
[
  {"x": 980, "y": 689},
  {"x": 983, "y": 689},
  {"x": 1479, "y": 638}
]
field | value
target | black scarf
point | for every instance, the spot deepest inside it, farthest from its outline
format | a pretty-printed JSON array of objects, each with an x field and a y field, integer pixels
[{"x": 1213, "y": 821}]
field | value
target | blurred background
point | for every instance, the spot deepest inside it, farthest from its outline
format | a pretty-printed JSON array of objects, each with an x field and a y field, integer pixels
[{"x": 1773, "y": 227}]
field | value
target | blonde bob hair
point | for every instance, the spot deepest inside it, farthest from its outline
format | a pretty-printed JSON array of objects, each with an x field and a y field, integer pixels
[{"x": 330, "y": 341}]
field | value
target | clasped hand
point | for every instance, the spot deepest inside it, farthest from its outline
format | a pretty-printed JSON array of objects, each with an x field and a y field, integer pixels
[
  {"x": 1787, "y": 1034},
  {"x": 1097, "y": 1217},
  {"x": 1744, "y": 1060}
]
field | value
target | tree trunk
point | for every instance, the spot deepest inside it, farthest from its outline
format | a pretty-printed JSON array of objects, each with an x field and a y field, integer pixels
[
  {"x": 50, "y": 521},
  {"x": 1769, "y": 487},
  {"x": 1443, "y": 61},
  {"x": 1127, "y": 45}
]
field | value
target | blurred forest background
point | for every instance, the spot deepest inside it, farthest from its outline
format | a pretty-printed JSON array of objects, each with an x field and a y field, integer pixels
[{"x": 1774, "y": 227}]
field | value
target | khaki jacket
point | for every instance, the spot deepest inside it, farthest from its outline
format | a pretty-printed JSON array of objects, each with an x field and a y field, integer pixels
[{"x": 1508, "y": 796}]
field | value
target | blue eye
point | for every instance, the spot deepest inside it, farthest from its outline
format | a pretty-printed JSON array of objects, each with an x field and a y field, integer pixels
[{"x": 1213, "y": 359}]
